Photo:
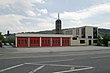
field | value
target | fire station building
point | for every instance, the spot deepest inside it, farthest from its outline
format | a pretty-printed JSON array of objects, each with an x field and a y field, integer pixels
[
  {"x": 86, "y": 35},
  {"x": 40, "y": 40}
]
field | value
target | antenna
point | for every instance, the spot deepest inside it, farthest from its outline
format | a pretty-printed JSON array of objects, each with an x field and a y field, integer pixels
[{"x": 58, "y": 15}]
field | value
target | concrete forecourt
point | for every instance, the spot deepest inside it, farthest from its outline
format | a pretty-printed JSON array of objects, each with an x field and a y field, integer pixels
[{"x": 79, "y": 59}]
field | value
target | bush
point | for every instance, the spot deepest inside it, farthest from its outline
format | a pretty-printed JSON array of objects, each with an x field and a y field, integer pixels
[{"x": 106, "y": 38}]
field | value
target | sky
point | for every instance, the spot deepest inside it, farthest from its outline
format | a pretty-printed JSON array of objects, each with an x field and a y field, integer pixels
[{"x": 39, "y": 15}]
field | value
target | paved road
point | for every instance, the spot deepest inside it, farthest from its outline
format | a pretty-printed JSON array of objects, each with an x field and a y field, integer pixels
[{"x": 86, "y": 61}]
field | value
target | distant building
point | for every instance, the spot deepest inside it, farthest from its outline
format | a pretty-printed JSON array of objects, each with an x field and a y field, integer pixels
[
  {"x": 8, "y": 33},
  {"x": 9, "y": 38},
  {"x": 86, "y": 35},
  {"x": 58, "y": 26}
]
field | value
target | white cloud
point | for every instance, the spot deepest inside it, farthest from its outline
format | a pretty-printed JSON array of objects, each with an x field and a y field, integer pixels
[
  {"x": 12, "y": 23},
  {"x": 35, "y": 19},
  {"x": 24, "y": 6},
  {"x": 5, "y": 2},
  {"x": 85, "y": 13},
  {"x": 86, "y": 16},
  {"x": 43, "y": 11},
  {"x": 20, "y": 10},
  {"x": 105, "y": 25},
  {"x": 30, "y": 13},
  {"x": 45, "y": 25}
]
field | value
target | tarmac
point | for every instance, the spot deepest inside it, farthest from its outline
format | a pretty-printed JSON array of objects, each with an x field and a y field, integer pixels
[{"x": 51, "y": 49}]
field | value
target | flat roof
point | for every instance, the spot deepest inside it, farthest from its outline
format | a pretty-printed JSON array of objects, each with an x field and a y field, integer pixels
[{"x": 43, "y": 35}]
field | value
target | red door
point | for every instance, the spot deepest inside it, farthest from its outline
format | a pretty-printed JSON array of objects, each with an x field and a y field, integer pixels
[
  {"x": 34, "y": 41},
  {"x": 22, "y": 42},
  {"x": 45, "y": 41},
  {"x": 65, "y": 41},
  {"x": 56, "y": 41}
]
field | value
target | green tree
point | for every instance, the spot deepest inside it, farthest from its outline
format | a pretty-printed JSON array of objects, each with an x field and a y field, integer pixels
[
  {"x": 1, "y": 36},
  {"x": 106, "y": 38},
  {"x": 99, "y": 41}
]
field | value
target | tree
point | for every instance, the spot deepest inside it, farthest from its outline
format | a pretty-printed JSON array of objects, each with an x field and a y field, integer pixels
[
  {"x": 106, "y": 38},
  {"x": 1, "y": 36},
  {"x": 99, "y": 41}
]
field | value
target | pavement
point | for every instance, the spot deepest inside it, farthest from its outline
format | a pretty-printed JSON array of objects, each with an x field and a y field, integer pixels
[
  {"x": 80, "y": 59},
  {"x": 51, "y": 49}
]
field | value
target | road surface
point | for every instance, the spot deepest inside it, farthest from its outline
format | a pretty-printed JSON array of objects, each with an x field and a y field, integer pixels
[{"x": 82, "y": 61}]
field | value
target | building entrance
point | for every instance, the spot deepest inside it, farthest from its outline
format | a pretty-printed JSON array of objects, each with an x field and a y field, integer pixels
[{"x": 89, "y": 42}]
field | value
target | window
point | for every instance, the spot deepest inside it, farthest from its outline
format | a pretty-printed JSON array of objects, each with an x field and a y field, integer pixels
[
  {"x": 37, "y": 41},
  {"x": 53, "y": 41},
  {"x": 45, "y": 41},
  {"x": 31, "y": 41},
  {"x": 58, "y": 41},
  {"x": 95, "y": 41},
  {"x": 67, "y": 41},
  {"x": 82, "y": 41},
  {"x": 22, "y": 41},
  {"x": 89, "y": 37},
  {"x": 63, "y": 41},
  {"x": 48, "y": 41},
  {"x": 83, "y": 32},
  {"x": 42, "y": 41},
  {"x": 74, "y": 38},
  {"x": 77, "y": 31},
  {"x": 25, "y": 42},
  {"x": 94, "y": 33}
]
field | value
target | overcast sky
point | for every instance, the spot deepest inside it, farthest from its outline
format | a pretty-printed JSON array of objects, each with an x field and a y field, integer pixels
[{"x": 39, "y": 15}]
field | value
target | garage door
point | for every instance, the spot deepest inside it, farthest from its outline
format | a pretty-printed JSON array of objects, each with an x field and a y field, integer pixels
[
  {"x": 22, "y": 42},
  {"x": 34, "y": 41},
  {"x": 65, "y": 41},
  {"x": 56, "y": 41},
  {"x": 45, "y": 41}
]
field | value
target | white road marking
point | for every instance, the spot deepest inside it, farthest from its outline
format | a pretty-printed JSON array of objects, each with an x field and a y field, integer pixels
[
  {"x": 51, "y": 65},
  {"x": 72, "y": 67},
  {"x": 74, "y": 70},
  {"x": 11, "y": 67},
  {"x": 35, "y": 70},
  {"x": 57, "y": 65}
]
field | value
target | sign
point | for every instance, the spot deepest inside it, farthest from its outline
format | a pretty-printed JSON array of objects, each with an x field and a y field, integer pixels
[{"x": 90, "y": 37}]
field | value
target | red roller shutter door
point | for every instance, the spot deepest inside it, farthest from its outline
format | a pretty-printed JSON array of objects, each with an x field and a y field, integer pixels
[
  {"x": 45, "y": 41},
  {"x": 65, "y": 41},
  {"x": 34, "y": 41},
  {"x": 22, "y": 42},
  {"x": 56, "y": 41}
]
